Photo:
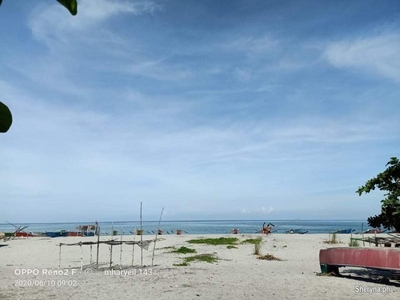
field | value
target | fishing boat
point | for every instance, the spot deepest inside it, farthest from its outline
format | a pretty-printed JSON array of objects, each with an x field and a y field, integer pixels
[
  {"x": 25, "y": 234},
  {"x": 347, "y": 230},
  {"x": 54, "y": 234},
  {"x": 74, "y": 233},
  {"x": 370, "y": 258},
  {"x": 88, "y": 230},
  {"x": 298, "y": 231},
  {"x": 374, "y": 230}
]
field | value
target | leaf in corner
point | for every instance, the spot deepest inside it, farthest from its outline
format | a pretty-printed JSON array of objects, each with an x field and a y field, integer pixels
[
  {"x": 5, "y": 117},
  {"x": 71, "y": 5}
]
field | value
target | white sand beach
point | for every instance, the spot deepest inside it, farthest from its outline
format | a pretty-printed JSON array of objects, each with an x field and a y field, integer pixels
[{"x": 237, "y": 274}]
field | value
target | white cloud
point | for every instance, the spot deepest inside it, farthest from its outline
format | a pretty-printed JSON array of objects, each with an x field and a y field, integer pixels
[
  {"x": 376, "y": 55},
  {"x": 258, "y": 211}
]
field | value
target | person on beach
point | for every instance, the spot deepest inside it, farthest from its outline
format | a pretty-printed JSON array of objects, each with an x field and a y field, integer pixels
[{"x": 266, "y": 229}]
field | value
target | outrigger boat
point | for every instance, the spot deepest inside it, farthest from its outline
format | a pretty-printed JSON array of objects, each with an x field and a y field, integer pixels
[
  {"x": 298, "y": 231},
  {"x": 387, "y": 259},
  {"x": 54, "y": 234},
  {"x": 348, "y": 230}
]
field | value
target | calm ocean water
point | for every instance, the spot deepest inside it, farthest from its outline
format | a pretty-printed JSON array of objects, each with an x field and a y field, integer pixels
[{"x": 201, "y": 227}]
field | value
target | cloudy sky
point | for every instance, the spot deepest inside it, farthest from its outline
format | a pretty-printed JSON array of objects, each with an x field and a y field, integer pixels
[{"x": 211, "y": 109}]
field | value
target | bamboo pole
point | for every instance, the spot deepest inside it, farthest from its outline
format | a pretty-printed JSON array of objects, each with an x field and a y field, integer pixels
[
  {"x": 59, "y": 258},
  {"x": 133, "y": 247},
  {"x": 141, "y": 235},
  {"x": 120, "y": 253},
  {"x": 111, "y": 255},
  {"x": 362, "y": 233},
  {"x": 155, "y": 240},
  {"x": 98, "y": 248},
  {"x": 81, "y": 257}
]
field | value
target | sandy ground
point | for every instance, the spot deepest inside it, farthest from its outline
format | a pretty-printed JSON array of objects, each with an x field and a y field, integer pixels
[{"x": 238, "y": 274}]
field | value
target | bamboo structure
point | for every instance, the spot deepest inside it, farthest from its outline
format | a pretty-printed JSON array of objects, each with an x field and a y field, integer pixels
[
  {"x": 133, "y": 247},
  {"x": 114, "y": 242},
  {"x": 120, "y": 253},
  {"x": 98, "y": 247},
  {"x": 142, "y": 244},
  {"x": 111, "y": 255},
  {"x": 158, "y": 229},
  {"x": 81, "y": 257},
  {"x": 59, "y": 257},
  {"x": 141, "y": 234}
]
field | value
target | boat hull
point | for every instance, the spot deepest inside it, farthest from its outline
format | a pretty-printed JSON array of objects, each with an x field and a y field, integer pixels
[
  {"x": 56, "y": 234},
  {"x": 371, "y": 258}
]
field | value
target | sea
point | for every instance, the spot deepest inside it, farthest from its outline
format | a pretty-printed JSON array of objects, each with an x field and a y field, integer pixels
[{"x": 200, "y": 226}]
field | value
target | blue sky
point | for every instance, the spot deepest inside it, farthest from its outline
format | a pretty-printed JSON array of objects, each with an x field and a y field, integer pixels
[{"x": 211, "y": 109}]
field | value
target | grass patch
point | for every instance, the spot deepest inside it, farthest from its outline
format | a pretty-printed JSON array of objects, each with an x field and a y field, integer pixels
[
  {"x": 210, "y": 258},
  {"x": 166, "y": 248},
  {"x": 184, "y": 250},
  {"x": 184, "y": 264},
  {"x": 354, "y": 243},
  {"x": 252, "y": 241},
  {"x": 268, "y": 257},
  {"x": 231, "y": 247},
  {"x": 332, "y": 239},
  {"x": 256, "y": 242},
  {"x": 215, "y": 242}
]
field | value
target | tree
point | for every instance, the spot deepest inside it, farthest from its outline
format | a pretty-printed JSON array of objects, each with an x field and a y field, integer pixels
[
  {"x": 389, "y": 181},
  {"x": 5, "y": 113}
]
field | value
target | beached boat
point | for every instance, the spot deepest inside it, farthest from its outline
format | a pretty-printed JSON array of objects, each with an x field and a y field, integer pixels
[
  {"x": 374, "y": 230},
  {"x": 53, "y": 234},
  {"x": 298, "y": 231},
  {"x": 25, "y": 234},
  {"x": 371, "y": 258},
  {"x": 74, "y": 233},
  {"x": 88, "y": 230},
  {"x": 348, "y": 230}
]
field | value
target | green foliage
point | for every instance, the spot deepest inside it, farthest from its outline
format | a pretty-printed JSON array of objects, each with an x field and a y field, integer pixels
[
  {"x": 332, "y": 239},
  {"x": 184, "y": 250},
  {"x": 71, "y": 5},
  {"x": 5, "y": 118},
  {"x": 389, "y": 181},
  {"x": 252, "y": 241},
  {"x": 5, "y": 113},
  {"x": 184, "y": 264},
  {"x": 231, "y": 247},
  {"x": 210, "y": 258},
  {"x": 217, "y": 241},
  {"x": 165, "y": 248},
  {"x": 354, "y": 243}
]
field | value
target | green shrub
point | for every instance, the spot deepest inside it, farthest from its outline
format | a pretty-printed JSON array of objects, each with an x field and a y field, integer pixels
[{"x": 184, "y": 250}]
